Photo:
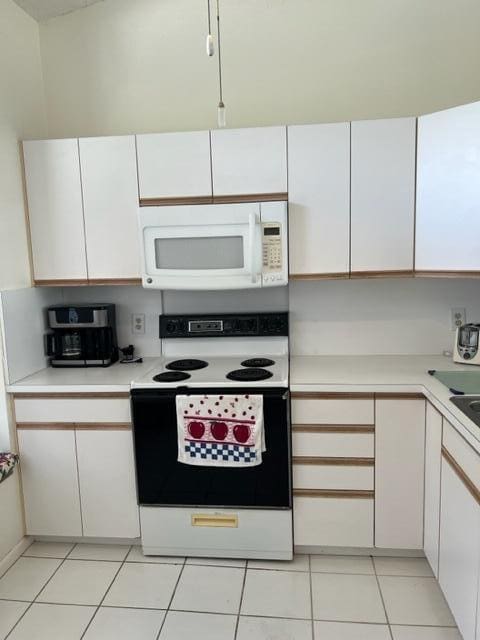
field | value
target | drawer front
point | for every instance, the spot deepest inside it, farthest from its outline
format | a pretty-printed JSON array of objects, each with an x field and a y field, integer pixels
[
  {"x": 342, "y": 445},
  {"x": 217, "y": 532},
  {"x": 313, "y": 409},
  {"x": 74, "y": 410},
  {"x": 337, "y": 522},
  {"x": 320, "y": 476},
  {"x": 463, "y": 454}
]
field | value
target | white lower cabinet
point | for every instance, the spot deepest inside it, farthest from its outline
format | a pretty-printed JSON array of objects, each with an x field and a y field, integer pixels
[
  {"x": 79, "y": 482},
  {"x": 335, "y": 522},
  {"x": 433, "y": 459},
  {"x": 50, "y": 482},
  {"x": 459, "y": 550},
  {"x": 107, "y": 483},
  {"x": 399, "y": 473}
]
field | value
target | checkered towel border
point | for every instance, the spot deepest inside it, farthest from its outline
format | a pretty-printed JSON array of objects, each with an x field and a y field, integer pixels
[{"x": 215, "y": 451}]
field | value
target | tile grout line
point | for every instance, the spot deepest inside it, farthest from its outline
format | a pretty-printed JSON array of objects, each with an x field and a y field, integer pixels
[
  {"x": 171, "y": 598},
  {"x": 35, "y": 598},
  {"x": 107, "y": 590},
  {"x": 382, "y": 599},
  {"x": 311, "y": 593},
  {"x": 241, "y": 600}
]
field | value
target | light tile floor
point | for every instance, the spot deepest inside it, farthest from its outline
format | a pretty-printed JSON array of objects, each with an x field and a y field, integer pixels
[{"x": 58, "y": 591}]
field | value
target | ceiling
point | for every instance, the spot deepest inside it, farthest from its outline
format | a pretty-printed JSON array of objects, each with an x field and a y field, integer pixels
[{"x": 45, "y": 9}]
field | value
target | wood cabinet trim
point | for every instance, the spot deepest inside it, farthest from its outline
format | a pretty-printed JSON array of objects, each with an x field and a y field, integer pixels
[
  {"x": 447, "y": 274},
  {"x": 333, "y": 428},
  {"x": 115, "y": 281},
  {"x": 91, "y": 282},
  {"x": 319, "y": 276},
  {"x": 333, "y": 462},
  {"x": 326, "y": 395},
  {"x": 60, "y": 283},
  {"x": 92, "y": 395},
  {"x": 408, "y": 273},
  {"x": 70, "y": 426},
  {"x": 224, "y": 199},
  {"x": 333, "y": 493},
  {"x": 399, "y": 396},
  {"x": 470, "y": 486}
]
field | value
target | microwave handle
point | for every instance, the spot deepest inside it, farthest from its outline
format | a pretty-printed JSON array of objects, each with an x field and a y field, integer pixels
[{"x": 252, "y": 222}]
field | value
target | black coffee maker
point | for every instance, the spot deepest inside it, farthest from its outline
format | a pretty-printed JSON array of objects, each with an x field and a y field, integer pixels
[{"x": 84, "y": 335}]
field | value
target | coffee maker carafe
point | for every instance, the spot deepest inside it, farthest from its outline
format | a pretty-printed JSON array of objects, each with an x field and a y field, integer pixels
[{"x": 83, "y": 335}]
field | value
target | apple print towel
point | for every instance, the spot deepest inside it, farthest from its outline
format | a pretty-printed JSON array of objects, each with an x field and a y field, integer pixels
[{"x": 220, "y": 431}]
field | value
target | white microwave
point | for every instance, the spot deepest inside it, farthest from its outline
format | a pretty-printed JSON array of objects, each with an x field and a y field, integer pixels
[{"x": 214, "y": 246}]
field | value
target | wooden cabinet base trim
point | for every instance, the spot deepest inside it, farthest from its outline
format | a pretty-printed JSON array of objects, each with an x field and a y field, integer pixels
[
  {"x": 115, "y": 281},
  {"x": 324, "y": 395},
  {"x": 333, "y": 428},
  {"x": 399, "y": 396},
  {"x": 334, "y": 462},
  {"x": 447, "y": 274},
  {"x": 333, "y": 493},
  {"x": 72, "y": 396},
  {"x": 472, "y": 488},
  {"x": 319, "y": 276},
  {"x": 69, "y": 426},
  {"x": 226, "y": 199},
  {"x": 382, "y": 274},
  {"x": 61, "y": 283}
]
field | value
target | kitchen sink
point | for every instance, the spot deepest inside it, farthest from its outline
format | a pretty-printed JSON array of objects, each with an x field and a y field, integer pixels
[{"x": 469, "y": 405}]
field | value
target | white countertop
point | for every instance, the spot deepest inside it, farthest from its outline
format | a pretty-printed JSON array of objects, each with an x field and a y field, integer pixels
[
  {"x": 117, "y": 377},
  {"x": 394, "y": 374}
]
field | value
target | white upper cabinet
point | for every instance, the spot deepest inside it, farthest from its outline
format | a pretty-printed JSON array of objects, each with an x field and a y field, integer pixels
[
  {"x": 448, "y": 190},
  {"x": 399, "y": 473},
  {"x": 52, "y": 174},
  {"x": 249, "y": 161},
  {"x": 383, "y": 195},
  {"x": 319, "y": 198},
  {"x": 110, "y": 198},
  {"x": 174, "y": 165}
]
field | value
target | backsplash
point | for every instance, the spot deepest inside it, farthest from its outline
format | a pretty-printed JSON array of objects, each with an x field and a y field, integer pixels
[{"x": 362, "y": 317}]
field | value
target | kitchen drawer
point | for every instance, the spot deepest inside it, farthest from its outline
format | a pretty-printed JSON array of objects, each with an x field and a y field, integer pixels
[
  {"x": 463, "y": 454},
  {"x": 227, "y": 533},
  {"x": 322, "y": 476},
  {"x": 337, "y": 445},
  {"x": 334, "y": 409},
  {"x": 337, "y": 522},
  {"x": 73, "y": 409}
]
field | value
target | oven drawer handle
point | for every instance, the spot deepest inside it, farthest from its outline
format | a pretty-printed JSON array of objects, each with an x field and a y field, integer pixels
[{"x": 209, "y": 520}]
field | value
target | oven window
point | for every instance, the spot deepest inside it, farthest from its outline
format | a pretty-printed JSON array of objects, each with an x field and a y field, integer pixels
[{"x": 218, "y": 252}]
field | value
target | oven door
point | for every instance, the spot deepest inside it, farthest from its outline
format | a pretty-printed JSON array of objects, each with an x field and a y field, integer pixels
[
  {"x": 202, "y": 246},
  {"x": 162, "y": 481}
]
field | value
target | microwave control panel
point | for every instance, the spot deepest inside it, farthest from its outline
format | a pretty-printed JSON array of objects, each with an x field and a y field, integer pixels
[{"x": 272, "y": 259}]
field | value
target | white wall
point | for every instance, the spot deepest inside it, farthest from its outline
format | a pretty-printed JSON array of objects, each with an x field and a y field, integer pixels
[
  {"x": 22, "y": 115},
  {"x": 357, "y": 317},
  {"x": 123, "y": 66}
]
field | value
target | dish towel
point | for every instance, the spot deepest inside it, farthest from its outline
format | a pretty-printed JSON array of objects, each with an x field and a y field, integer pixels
[{"x": 220, "y": 431}]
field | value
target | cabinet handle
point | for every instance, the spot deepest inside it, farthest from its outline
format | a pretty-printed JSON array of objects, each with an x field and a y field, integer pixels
[{"x": 207, "y": 520}]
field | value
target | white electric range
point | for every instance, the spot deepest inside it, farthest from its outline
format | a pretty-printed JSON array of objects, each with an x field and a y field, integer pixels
[{"x": 215, "y": 511}]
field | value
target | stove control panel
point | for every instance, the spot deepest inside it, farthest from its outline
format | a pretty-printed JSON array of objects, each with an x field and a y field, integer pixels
[{"x": 224, "y": 325}]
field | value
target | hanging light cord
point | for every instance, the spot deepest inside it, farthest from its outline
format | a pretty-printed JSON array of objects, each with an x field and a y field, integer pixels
[
  {"x": 219, "y": 53},
  {"x": 209, "y": 19}
]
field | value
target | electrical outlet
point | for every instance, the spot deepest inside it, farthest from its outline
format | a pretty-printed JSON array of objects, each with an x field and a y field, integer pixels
[
  {"x": 458, "y": 317},
  {"x": 138, "y": 323}
]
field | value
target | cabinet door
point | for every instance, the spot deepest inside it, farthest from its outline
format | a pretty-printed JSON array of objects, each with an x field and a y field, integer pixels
[
  {"x": 52, "y": 175},
  {"x": 50, "y": 482},
  {"x": 459, "y": 550},
  {"x": 172, "y": 165},
  {"x": 448, "y": 190},
  {"x": 249, "y": 161},
  {"x": 319, "y": 198},
  {"x": 399, "y": 473},
  {"x": 110, "y": 200},
  {"x": 433, "y": 457},
  {"x": 107, "y": 483},
  {"x": 383, "y": 195}
]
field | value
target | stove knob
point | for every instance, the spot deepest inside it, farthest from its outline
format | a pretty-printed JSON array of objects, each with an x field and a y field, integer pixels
[{"x": 171, "y": 327}]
